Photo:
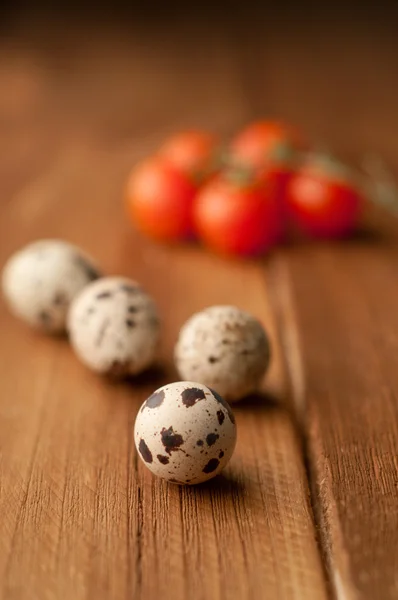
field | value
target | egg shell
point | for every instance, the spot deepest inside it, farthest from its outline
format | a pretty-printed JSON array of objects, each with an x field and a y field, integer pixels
[
  {"x": 185, "y": 433},
  {"x": 114, "y": 327},
  {"x": 40, "y": 281},
  {"x": 224, "y": 348}
]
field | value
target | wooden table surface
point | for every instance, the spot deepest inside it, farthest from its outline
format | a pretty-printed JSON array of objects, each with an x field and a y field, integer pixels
[{"x": 308, "y": 507}]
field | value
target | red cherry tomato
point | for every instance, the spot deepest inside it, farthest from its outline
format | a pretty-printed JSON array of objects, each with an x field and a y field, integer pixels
[
  {"x": 159, "y": 200},
  {"x": 236, "y": 218},
  {"x": 263, "y": 142},
  {"x": 322, "y": 201},
  {"x": 277, "y": 176},
  {"x": 271, "y": 149},
  {"x": 196, "y": 153}
]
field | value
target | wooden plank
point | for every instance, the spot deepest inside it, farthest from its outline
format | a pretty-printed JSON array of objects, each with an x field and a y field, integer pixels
[
  {"x": 336, "y": 304},
  {"x": 344, "y": 299},
  {"x": 81, "y": 517}
]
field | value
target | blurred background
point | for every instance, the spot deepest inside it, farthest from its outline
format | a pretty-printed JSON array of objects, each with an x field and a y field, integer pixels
[
  {"x": 329, "y": 67},
  {"x": 103, "y": 84}
]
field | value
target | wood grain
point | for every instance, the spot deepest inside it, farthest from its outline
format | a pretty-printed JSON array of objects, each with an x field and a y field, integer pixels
[
  {"x": 348, "y": 338},
  {"x": 336, "y": 303},
  {"x": 80, "y": 516}
]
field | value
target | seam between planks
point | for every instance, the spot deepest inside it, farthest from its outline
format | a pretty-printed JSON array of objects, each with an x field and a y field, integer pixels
[{"x": 282, "y": 303}]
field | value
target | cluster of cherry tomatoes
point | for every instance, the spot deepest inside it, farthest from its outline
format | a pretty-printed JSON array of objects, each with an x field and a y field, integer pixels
[{"x": 245, "y": 197}]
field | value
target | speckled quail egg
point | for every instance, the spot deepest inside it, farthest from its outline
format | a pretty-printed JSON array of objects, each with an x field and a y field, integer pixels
[
  {"x": 185, "y": 432},
  {"x": 114, "y": 327},
  {"x": 224, "y": 348},
  {"x": 40, "y": 281}
]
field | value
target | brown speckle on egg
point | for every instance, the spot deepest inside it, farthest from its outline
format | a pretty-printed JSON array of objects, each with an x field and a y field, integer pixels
[
  {"x": 163, "y": 459},
  {"x": 154, "y": 400},
  {"x": 102, "y": 331},
  {"x": 145, "y": 452},
  {"x": 221, "y": 400},
  {"x": 60, "y": 299},
  {"x": 89, "y": 270},
  {"x": 220, "y": 416},
  {"x": 192, "y": 395},
  {"x": 171, "y": 440},
  {"x": 211, "y": 438},
  {"x": 104, "y": 295},
  {"x": 211, "y": 465},
  {"x": 213, "y": 359},
  {"x": 129, "y": 288}
]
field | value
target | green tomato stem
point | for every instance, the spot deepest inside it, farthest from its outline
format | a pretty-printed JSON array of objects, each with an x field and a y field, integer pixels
[{"x": 377, "y": 183}]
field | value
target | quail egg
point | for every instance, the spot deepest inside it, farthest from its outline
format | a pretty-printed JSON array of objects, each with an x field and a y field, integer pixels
[
  {"x": 185, "y": 432},
  {"x": 40, "y": 281},
  {"x": 114, "y": 327},
  {"x": 224, "y": 348}
]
